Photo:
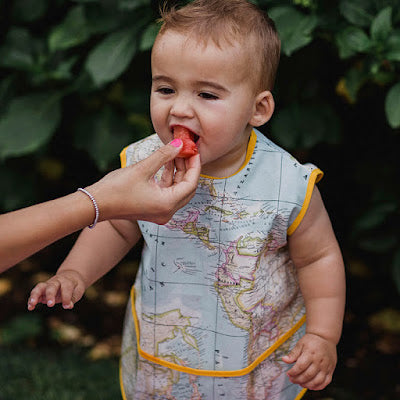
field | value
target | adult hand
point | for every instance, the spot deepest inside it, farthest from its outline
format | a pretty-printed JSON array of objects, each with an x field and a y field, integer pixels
[
  {"x": 131, "y": 193},
  {"x": 134, "y": 193}
]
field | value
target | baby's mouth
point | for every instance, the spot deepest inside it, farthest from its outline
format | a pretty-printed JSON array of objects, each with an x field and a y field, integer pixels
[{"x": 194, "y": 137}]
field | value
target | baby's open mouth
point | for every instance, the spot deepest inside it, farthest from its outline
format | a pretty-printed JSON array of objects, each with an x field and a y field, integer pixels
[{"x": 189, "y": 140}]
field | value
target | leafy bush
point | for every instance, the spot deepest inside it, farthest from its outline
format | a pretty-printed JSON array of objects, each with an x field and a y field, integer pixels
[{"x": 74, "y": 80}]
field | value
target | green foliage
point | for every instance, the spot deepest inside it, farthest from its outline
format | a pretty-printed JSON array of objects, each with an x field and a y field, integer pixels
[
  {"x": 28, "y": 123},
  {"x": 392, "y": 106},
  {"x": 74, "y": 74},
  {"x": 73, "y": 31},
  {"x": 63, "y": 375},
  {"x": 20, "y": 328},
  {"x": 112, "y": 56},
  {"x": 295, "y": 28}
]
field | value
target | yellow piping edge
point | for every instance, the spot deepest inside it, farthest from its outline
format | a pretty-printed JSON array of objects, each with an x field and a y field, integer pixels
[
  {"x": 122, "y": 157},
  {"x": 301, "y": 394},
  {"x": 250, "y": 149},
  {"x": 315, "y": 177},
  {"x": 121, "y": 383},
  {"x": 249, "y": 154},
  {"x": 204, "y": 372}
]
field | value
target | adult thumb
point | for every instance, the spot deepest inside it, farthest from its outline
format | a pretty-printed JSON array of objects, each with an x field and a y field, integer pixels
[{"x": 160, "y": 157}]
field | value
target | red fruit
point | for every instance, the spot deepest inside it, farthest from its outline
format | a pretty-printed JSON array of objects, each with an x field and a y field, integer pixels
[{"x": 189, "y": 147}]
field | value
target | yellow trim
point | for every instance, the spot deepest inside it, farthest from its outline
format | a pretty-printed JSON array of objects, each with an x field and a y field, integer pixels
[
  {"x": 122, "y": 157},
  {"x": 204, "y": 372},
  {"x": 301, "y": 394},
  {"x": 250, "y": 149},
  {"x": 121, "y": 383},
  {"x": 316, "y": 176},
  {"x": 249, "y": 153}
]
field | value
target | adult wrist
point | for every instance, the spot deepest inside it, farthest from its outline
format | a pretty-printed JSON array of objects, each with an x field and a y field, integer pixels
[{"x": 95, "y": 206}]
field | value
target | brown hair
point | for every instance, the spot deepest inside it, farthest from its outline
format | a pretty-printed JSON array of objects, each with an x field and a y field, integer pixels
[{"x": 230, "y": 21}]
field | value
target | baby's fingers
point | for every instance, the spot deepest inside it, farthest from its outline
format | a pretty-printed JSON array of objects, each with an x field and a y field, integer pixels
[
  {"x": 318, "y": 382},
  {"x": 302, "y": 364},
  {"x": 52, "y": 290},
  {"x": 71, "y": 292},
  {"x": 308, "y": 375},
  {"x": 37, "y": 296}
]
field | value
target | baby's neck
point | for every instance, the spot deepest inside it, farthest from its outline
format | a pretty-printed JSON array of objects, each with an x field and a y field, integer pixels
[{"x": 226, "y": 167}]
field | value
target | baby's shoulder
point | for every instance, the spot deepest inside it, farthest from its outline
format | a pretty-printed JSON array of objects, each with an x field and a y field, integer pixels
[{"x": 140, "y": 150}]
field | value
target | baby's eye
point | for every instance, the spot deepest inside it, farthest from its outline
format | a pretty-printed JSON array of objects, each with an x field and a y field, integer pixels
[
  {"x": 208, "y": 96},
  {"x": 165, "y": 90}
]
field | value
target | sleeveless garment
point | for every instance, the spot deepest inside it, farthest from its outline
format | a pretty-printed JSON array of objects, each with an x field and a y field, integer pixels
[{"x": 216, "y": 302}]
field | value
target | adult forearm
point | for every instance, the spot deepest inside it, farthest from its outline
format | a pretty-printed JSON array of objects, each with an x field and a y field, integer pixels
[{"x": 29, "y": 230}]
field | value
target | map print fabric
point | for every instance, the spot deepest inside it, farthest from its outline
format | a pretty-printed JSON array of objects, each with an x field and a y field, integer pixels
[{"x": 216, "y": 291}]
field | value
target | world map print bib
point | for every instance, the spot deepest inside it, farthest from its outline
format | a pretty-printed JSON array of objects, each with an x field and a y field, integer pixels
[{"x": 216, "y": 302}]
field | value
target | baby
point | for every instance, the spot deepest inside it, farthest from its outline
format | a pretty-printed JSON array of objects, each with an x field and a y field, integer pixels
[{"x": 241, "y": 294}]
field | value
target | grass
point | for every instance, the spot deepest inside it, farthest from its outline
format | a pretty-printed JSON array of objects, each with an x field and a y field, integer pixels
[{"x": 56, "y": 374}]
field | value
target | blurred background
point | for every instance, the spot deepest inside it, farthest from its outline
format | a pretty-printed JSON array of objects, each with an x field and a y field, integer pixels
[{"x": 74, "y": 90}]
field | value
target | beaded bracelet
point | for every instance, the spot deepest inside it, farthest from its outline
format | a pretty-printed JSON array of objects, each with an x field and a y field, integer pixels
[{"x": 96, "y": 207}]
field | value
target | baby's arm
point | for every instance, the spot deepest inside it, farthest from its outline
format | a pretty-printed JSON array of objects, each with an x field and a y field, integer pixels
[
  {"x": 317, "y": 257},
  {"x": 94, "y": 254}
]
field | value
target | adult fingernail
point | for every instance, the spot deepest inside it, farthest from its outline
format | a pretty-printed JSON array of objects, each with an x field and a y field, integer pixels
[{"x": 176, "y": 143}]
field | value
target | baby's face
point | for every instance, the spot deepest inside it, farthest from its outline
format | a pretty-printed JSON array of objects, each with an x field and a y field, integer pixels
[{"x": 206, "y": 89}]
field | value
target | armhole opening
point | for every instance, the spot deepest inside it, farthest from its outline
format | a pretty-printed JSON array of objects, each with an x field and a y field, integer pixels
[{"x": 315, "y": 177}]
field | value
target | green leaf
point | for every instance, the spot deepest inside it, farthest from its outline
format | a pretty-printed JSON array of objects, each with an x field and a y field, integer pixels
[
  {"x": 148, "y": 37},
  {"x": 130, "y": 5},
  {"x": 100, "y": 20},
  {"x": 355, "y": 11},
  {"x": 6, "y": 90},
  {"x": 354, "y": 80},
  {"x": 17, "y": 50},
  {"x": 352, "y": 40},
  {"x": 345, "y": 51},
  {"x": 393, "y": 46},
  {"x": 29, "y": 10},
  {"x": 28, "y": 123},
  {"x": 71, "y": 32},
  {"x": 111, "y": 57},
  {"x": 392, "y": 106},
  {"x": 103, "y": 136},
  {"x": 304, "y": 126},
  {"x": 63, "y": 70},
  {"x": 382, "y": 25},
  {"x": 374, "y": 217},
  {"x": 295, "y": 29}
]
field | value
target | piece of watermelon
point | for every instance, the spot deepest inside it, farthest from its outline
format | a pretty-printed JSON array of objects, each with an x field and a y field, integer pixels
[{"x": 189, "y": 147}]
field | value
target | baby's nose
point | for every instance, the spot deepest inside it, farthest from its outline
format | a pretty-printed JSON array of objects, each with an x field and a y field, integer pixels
[{"x": 182, "y": 107}]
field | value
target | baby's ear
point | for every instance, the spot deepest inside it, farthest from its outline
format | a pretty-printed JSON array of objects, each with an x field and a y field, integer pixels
[{"x": 264, "y": 107}]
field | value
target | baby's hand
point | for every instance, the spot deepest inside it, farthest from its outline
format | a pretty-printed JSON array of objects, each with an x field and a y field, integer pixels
[
  {"x": 315, "y": 359},
  {"x": 66, "y": 287}
]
